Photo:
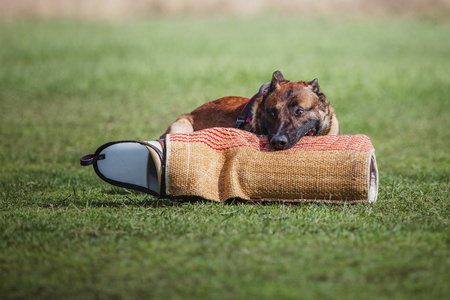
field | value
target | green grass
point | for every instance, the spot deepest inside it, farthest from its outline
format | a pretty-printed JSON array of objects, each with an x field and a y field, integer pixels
[{"x": 68, "y": 87}]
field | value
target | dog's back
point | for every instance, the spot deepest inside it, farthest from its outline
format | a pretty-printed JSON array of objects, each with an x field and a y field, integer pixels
[{"x": 216, "y": 113}]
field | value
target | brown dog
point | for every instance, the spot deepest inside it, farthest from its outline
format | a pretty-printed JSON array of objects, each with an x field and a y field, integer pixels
[{"x": 285, "y": 111}]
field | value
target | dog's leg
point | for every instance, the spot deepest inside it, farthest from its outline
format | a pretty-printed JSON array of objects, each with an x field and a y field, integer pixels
[{"x": 182, "y": 125}]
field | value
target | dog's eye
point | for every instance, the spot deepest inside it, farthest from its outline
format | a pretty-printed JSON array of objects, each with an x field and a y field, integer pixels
[
  {"x": 271, "y": 114},
  {"x": 299, "y": 111}
]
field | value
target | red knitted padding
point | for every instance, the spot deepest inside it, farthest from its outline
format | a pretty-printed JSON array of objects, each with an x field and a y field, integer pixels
[{"x": 226, "y": 138}]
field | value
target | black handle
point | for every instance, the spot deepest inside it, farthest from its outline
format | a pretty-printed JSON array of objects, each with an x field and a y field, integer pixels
[{"x": 89, "y": 159}]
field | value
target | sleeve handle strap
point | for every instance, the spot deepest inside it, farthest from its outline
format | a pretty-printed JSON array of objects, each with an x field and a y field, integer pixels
[{"x": 89, "y": 159}]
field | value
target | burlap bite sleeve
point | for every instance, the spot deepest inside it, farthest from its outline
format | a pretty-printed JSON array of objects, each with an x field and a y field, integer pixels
[{"x": 225, "y": 163}]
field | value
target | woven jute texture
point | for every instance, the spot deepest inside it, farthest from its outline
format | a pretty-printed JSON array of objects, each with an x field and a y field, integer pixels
[{"x": 226, "y": 163}]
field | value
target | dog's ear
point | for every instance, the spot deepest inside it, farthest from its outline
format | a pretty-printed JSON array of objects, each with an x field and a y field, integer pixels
[
  {"x": 277, "y": 79},
  {"x": 263, "y": 90},
  {"x": 314, "y": 84}
]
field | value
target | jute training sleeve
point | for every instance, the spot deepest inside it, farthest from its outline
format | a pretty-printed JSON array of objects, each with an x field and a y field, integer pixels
[{"x": 226, "y": 163}]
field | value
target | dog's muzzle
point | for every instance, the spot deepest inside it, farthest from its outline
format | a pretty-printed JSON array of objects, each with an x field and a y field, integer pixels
[{"x": 279, "y": 142}]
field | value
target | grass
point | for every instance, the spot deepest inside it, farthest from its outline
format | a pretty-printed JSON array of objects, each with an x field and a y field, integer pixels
[{"x": 68, "y": 87}]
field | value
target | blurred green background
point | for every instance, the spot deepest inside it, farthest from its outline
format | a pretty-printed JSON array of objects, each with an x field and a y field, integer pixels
[{"x": 77, "y": 74}]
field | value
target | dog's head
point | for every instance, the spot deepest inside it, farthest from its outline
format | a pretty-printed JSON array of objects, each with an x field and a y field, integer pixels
[{"x": 287, "y": 111}]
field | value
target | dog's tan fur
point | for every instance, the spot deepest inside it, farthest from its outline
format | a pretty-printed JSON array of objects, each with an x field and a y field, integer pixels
[{"x": 285, "y": 111}]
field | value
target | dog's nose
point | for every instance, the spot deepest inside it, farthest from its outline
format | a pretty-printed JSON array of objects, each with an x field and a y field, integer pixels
[{"x": 279, "y": 142}]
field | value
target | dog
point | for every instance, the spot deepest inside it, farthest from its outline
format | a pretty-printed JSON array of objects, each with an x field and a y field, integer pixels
[{"x": 285, "y": 111}]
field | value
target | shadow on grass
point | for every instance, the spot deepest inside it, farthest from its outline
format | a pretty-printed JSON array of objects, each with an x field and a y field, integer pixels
[{"x": 117, "y": 198}]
